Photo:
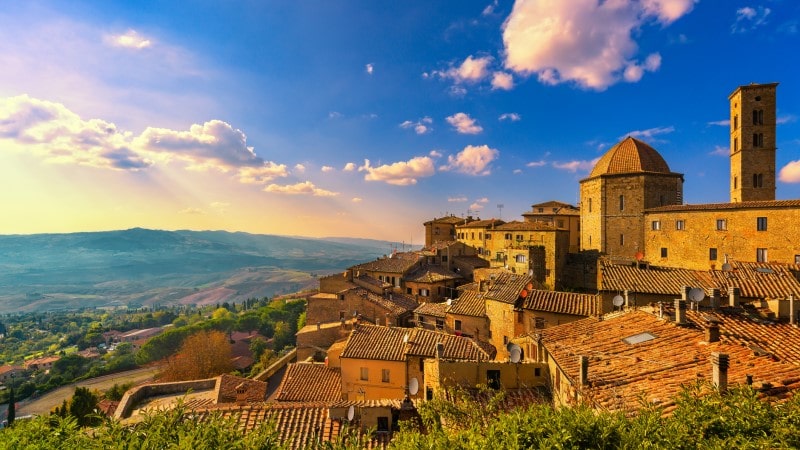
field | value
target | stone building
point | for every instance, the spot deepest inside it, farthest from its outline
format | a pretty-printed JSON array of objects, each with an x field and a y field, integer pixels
[
  {"x": 628, "y": 179},
  {"x": 560, "y": 215},
  {"x": 442, "y": 229}
]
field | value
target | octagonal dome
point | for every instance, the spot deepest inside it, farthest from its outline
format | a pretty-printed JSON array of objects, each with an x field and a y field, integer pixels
[{"x": 630, "y": 156}]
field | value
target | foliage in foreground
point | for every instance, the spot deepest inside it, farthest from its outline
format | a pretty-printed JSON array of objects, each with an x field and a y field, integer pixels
[{"x": 737, "y": 420}]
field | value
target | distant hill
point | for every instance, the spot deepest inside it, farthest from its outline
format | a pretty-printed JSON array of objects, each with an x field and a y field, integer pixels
[{"x": 144, "y": 267}]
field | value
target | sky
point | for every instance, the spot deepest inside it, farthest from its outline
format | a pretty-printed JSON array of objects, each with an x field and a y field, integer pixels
[{"x": 366, "y": 119}]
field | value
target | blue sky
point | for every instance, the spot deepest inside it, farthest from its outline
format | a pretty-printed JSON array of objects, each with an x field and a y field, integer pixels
[{"x": 366, "y": 119}]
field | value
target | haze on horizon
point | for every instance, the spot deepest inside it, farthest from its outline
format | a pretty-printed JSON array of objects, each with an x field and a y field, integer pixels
[{"x": 365, "y": 120}]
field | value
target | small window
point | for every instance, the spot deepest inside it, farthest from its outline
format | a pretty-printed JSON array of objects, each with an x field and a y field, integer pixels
[
  {"x": 560, "y": 223},
  {"x": 735, "y": 182},
  {"x": 680, "y": 224},
  {"x": 520, "y": 238},
  {"x": 712, "y": 254},
  {"x": 761, "y": 223},
  {"x": 761, "y": 255},
  {"x": 758, "y": 139},
  {"x": 655, "y": 225},
  {"x": 383, "y": 424},
  {"x": 621, "y": 202},
  {"x": 758, "y": 180},
  {"x": 537, "y": 372},
  {"x": 444, "y": 258},
  {"x": 457, "y": 325},
  {"x": 663, "y": 252},
  {"x": 424, "y": 292},
  {"x": 408, "y": 291},
  {"x": 508, "y": 236},
  {"x": 735, "y": 144},
  {"x": 722, "y": 224},
  {"x": 493, "y": 379},
  {"x": 480, "y": 236},
  {"x": 472, "y": 235},
  {"x": 385, "y": 375},
  {"x": 488, "y": 236},
  {"x": 520, "y": 258},
  {"x": 735, "y": 122},
  {"x": 365, "y": 373},
  {"x": 541, "y": 210},
  {"x": 439, "y": 324},
  {"x": 590, "y": 205},
  {"x": 621, "y": 239}
]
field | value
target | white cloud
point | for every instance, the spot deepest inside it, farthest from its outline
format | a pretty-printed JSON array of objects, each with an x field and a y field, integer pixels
[
  {"x": 299, "y": 168},
  {"x": 434, "y": 154},
  {"x": 326, "y": 169},
  {"x": 489, "y": 9},
  {"x": 192, "y": 211},
  {"x": 721, "y": 123},
  {"x": 482, "y": 200},
  {"x": 357, "y": 200},
  {"x": 471, "y": 70},
  {"x": 748, "y": 19},
  {"x": 457, "y": 199},
  {"x": 539, "y": 163},
  {"x": 130, "y": 39},
  {"x": 649, "y": 133},
  {"x": 422, "y": 126},
  {"x": 303, "y": 188},
  {"x": 476, "y": 206},
  {"x": 583, "y": 41},
  {"x": 401, "y": 173},
  {"x": 473, "y": 160},
  {"x": 502, "y": 80},
  {"x": 514, "y": 117},
  {"x": 349, "y": 167},
  {"x": 720, "y": 151},
  {"x": 369, "y": 68},
  {"x": 785, "y": 119},
  {"x": 464, "y": 124},
  {"x": 261, "y": 174},
  {"x": 576, "y": 165},
  {"x": 56, "y": 134},
  {"x": 458, "y": 91},
  {"x": 334, "y": 115},
  {"x": 517, "y": 171},
  {"x": 790, "y": 173}
]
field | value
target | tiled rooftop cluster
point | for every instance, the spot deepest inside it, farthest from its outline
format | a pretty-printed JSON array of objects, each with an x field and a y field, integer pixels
[
  {"x": 396, "y": 344},
  {"x": 309, "y": 382}
]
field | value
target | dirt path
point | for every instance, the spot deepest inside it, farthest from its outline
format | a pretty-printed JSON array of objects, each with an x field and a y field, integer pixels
[{"x": 45, "y": 403}]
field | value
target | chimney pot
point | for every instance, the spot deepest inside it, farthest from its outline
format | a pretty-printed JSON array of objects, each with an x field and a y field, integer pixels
[
  {"x": 712, "y": 333},
  {"x": 583, "y": 379},
  {"x": 792, "y": 314},
  {"x": 685, "y": 292},
  {"x": 715, "y": 298},
  {"x": 733, "y": 296},
  {"x": 719, "y": 370},
  {"x": 680, "y": 312}
]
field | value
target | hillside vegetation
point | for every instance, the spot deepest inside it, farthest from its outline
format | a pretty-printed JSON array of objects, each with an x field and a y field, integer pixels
[{"x": 140, "y": 267}]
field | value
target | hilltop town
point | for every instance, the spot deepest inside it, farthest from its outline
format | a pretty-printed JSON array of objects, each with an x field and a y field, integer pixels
[{"x": 627, "y": 297}]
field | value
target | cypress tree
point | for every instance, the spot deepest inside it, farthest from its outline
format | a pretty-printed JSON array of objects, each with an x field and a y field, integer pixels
[{"x": 12, "y": 413}]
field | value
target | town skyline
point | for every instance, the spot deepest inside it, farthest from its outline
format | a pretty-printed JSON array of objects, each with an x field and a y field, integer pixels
[{"x": 358, "y": 120}]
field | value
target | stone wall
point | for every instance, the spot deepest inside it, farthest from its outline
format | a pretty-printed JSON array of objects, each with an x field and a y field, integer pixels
[{"x": 136, "y": 395}]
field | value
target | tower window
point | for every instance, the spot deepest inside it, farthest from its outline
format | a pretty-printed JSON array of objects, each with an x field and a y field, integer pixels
[
  {"x": 761, "y": 223},
  {"x": 735, "y": 122},
  {"x": 761, "y": 255},
  {"x": 621, "y": 239},
  {"x": 712, "y": 254},
  {"x": 656, "y": 225},
  {"x": 758, "y": 140},
  {"x": 590, "y": 205},
  {"x": 758, "y": 180},
  {"x": 621, "y": 202},
  {"x": 735, "y": 182},
  {"x": 758, "y": 117},
  {"x": 663, "y": 252},
  {"x": 735, "y": 144}
]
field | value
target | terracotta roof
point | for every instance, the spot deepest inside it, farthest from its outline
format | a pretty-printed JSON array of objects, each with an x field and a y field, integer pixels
[
  {"x": 482, "y": 223},
  {"x": 431, "y": 274},
  {"x": 744, "y": 327},
  {"x": 366, "y": 279},
  {"x": 630, "y": 156},
  {"x": 754, "y": 280},
  {"x": 507, "y": 286},
  {"x": 397, "y": 263},
  {"x": 308, "y": 382},
  {"x": 526, "y": 226},
  {"x": 40, "y": 361},
  {"x": 394, "y": 302},
  {"x": 432, "y": 309},
  {"x": 652, "y": 280},
  {"x": 469, "y": 303},
  {"x": 440, "y": 245},
  {"x": 453, "y": 220},
  {"x": 554, "y": 204},
  {"x": 387, "y": 344},
  {"x": 9, "y": 369},
  {"x": 299, "y": 425},
  {"x": 621, "y": 375},
  {"x": 564, "y": 303},
  {"x": 227, "y": 385},
  {"x": 470, "y": 261},
  {"x": 376, "y": 403},
  {"x": 723, "y": 206}
]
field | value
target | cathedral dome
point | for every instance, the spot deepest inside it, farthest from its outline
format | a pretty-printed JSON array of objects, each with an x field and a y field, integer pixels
[{"x": 630, "y": 156}]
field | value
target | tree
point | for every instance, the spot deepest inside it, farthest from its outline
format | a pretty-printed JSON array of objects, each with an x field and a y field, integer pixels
[
  {"x": 12, "y": 407},
  {"x": 257, "y": 347},
  {"x": 203, "y": 355}
]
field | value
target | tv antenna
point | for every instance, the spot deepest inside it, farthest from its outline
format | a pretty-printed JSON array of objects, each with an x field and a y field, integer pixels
[{"x": 500, "y": 207}]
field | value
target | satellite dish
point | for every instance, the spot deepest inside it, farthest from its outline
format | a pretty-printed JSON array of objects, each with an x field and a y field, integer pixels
[
  {"x": 696, "y": 295},
  {"x": 617, "y": 300},
  {"x": 515, "y": 353},
  {"x": 413, "y": 386},
  {"x": 351, "y": 412},
  {"x": 530, "y": 273},
  {"x": 449, "y": 301},
  {"x": 727, "y": 267}
]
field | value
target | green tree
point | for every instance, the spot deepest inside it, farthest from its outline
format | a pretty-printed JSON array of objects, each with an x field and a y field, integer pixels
[
  {"x": 12, "y": 407},
  {"x": 257, "y": 347}
]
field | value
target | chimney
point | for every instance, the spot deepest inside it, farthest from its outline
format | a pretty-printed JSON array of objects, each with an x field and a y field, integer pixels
[
  {"x": 680, "y": 312},
  {"x": 719, "y": 371},
  {"x": 583, "y": 377},
  {"x": 388, "y": 323},
  {"x": 792, "y": 314},
  {"x": 715, "y": 299},
  {"x": 627, "y": 302},
  {"x": 482, "y": 285},
  {"x": 241, "y": 394},
  {"x": 685, "y": 292},
  {"x": 733, "y": 296},
  {"x": 712, "y": 333},
  {"x": 439, "y": 350}
]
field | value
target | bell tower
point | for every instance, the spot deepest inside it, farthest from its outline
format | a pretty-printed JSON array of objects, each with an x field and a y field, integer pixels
[{"x": 753, "y": 142}]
